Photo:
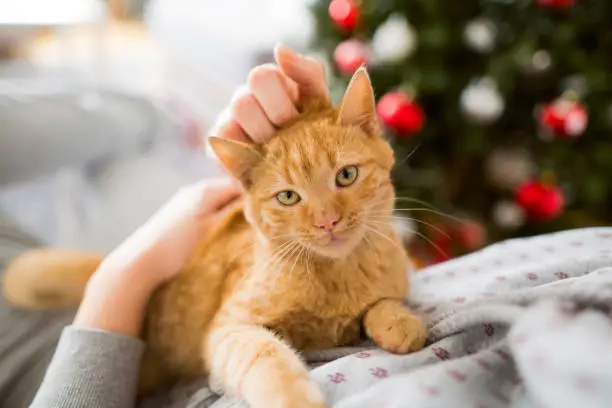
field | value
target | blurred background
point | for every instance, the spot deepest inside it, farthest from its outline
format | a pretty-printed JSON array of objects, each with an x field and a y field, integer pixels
[{"x": 500, "y": 111}]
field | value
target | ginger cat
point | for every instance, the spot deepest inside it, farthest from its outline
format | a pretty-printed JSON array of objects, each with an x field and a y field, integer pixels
[{"x": 307, "y": 262}]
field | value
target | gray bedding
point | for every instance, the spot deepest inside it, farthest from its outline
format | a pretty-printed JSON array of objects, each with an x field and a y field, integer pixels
[{"x": 27, "y": 338}]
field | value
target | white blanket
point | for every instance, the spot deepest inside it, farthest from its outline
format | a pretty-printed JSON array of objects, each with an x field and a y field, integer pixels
[{"x": 523, "y": 324}]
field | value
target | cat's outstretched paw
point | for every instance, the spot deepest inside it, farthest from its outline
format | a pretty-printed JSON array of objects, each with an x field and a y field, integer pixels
[
  {"x": 396, "y": 329},
  {"x": 265, "y": 387},
  {"x": 305, "y": 394},
  {"x": 302, "y": 393}
]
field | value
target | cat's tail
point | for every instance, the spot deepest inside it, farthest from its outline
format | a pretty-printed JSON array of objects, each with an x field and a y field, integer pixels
[{"x": 49, "y": 278}]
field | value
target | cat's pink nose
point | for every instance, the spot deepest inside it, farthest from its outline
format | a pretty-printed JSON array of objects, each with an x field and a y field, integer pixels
[{"x": 327, "y": 223}]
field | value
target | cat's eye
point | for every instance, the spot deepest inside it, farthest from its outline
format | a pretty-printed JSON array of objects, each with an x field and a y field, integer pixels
[
  {"x": 346, "y": 176},
  {"x": 288, "y": 197}
]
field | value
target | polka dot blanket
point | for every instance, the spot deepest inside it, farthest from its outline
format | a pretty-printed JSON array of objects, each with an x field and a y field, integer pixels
[{"x": 524, "y": 323}]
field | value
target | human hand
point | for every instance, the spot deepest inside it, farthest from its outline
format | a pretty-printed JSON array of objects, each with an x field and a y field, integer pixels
[
  {"x": 118, "y": 292},
  {"x": 159, "y": 248},
  {"x": 271, "y": 94}
]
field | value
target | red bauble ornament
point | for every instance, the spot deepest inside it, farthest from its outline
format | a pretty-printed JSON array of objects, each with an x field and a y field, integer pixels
[
  {"x": 439, "y": 242},
  {"x": 441, "y": 249},
  {"x": 556, "y": 4},
  {"x": 344, "y": 14},
  {"x": 564, "y": 118},
  {"x": 350, "y": 55},
  {"x": 471, "y": 235},
  {"x": 541, "y": 201},
  {"x": 400, "y": 113}
]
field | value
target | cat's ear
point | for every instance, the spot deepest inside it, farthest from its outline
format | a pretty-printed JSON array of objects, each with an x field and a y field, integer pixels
[
  {"x": 358, "y": 107},
  {"x": 238, "y": 158}
]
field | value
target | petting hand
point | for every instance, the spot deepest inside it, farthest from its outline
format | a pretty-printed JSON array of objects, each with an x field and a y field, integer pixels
[
  {"x": 158, "y": 249},
  {"x": 118, "y": 292},
  {"x": 269, "y": 98}
]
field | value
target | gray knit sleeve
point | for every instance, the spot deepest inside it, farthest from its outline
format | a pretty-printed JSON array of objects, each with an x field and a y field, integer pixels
[{"x": 91, "y": 369}]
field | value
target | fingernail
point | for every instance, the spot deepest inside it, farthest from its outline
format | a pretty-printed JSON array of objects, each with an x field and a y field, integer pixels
[
  {"x": 287, "y": 50},
  {"x": 279, "y": 46}
]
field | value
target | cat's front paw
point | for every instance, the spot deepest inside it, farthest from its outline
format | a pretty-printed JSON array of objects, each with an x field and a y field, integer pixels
[
  {"x": 304, "y": 394},
  {"x": 299, "y": 394},
  {"x": 400, "y": 332},
  {"x": 288, "y": 391}
]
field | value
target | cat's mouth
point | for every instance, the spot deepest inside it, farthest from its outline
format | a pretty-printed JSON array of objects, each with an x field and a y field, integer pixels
[
  {"x": 335, "y": 239},
  {"x": 328, "y": 241},
  {"x": 336, "y": 244}
]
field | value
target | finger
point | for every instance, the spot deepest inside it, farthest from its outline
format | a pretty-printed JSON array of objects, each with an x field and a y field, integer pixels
[
  {"x": 212, "y": 195},
  {"x": 291, "y": 86},
  {"x": 227, "y": 128},
  {"x": 228, "y": 207},
  {"x": 223, "y": 198},
  {"x": 249, "y": 114},
  {"x": 266, "y": 85},
  {"x": 308, "y": 73},
  {"x": 222, "y": 191}
]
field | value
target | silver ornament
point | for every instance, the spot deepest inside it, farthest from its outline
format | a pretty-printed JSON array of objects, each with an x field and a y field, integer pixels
[
  {"x": 508, "y": 215},
  {"x": 481, "y": 102},
  {"x": 394, "y": 40},
  {"x": 541, "y": 61},
  {"x": 576, "y": 84},
  {"x": 508, "y": 168},
  {"x": 536, "y": 62},
  {"x": 480, "y": 35}
]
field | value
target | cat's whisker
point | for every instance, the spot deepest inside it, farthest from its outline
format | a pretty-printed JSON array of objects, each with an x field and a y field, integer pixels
[
  {"x": 278, "y": 254},
  {"x": 341, "y": 150},
  {"x": 275, "y": 257},
  {"x": 256, "y": 242},
  {"x": 372, "y": 228},
  {"x": 408, "y": 156},
  {"x": 296, "y": 260},
  {"x": 409, "y": 199},
  {"x": 369, "y": 208},
  {"x": 440, "y": 251},
  {"x": 308, "y": 253},
  {"x": 369, "y": 243},
  {"x": 252, "y": 246},
  {"x": 440, "y": 213},
  {"x": 418, "y": 221},
  {"x": 305, "y": 254},
  {"x": 416, "y": 200},
  {"x": 281, "y": 257},
  {"x": 436, "y": 246}
]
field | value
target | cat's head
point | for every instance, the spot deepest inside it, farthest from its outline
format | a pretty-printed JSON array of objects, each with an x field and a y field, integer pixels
[{"x": 323, "y": 181}]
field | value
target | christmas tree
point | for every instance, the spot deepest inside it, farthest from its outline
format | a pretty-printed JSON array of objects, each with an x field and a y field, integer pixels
[{"x": 499, "y": 111}]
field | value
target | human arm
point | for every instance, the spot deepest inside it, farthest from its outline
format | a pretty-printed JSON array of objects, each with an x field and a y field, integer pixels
[
  {"x": 38, "y": 139},
  {"x": 98, "y": 357},
  {"x": 118, "y": 292}
]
